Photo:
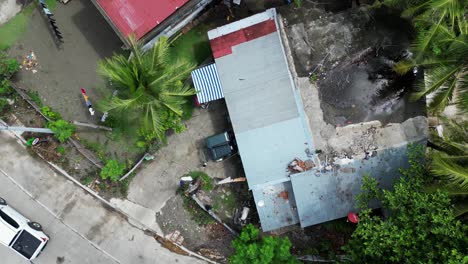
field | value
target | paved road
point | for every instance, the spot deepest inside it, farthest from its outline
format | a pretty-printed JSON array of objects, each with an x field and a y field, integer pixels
[
  {"x": 66, "y": 246},
  {"x": 82, "y": 230}
]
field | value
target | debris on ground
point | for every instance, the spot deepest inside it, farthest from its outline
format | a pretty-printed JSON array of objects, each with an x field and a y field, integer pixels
[
  {"x": 230, "y": 180},
  {"x": 212, "y": 254},
  {"x": 175, "y": 237},
  {"x": 29, "y": 62},
  {"x": 298, "y": 165}
]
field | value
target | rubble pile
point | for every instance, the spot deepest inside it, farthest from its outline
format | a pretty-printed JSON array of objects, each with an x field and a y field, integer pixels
[{"x": 298, "y": 165}]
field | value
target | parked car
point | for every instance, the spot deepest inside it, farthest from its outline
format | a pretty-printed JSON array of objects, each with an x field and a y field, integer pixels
[
  {"x": 221, "y": 146},
  {"x": 18, "y": 233}
]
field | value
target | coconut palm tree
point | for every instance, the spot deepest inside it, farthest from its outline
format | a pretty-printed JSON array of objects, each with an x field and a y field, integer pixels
[
  {"x": 441, "y": 48},
  {"x": 151, "y": 88},
  {"x": 448, "y": 162}
]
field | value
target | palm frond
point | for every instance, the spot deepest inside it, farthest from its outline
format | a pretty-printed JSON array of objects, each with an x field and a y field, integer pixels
[
  {"x": 435, "y": 79},
  {"x": 450, "y": 190},
  {"x": 460, "y": 208},
  {"x": 443, "y": 96},
  {"x": 160, "y": 52},
  {"x": 447, "y": 169}
]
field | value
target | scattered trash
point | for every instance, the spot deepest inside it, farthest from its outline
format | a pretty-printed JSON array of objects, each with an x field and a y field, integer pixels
[
  {"x": 440, "y": 131},
  {"x": 353, "y": 218},
  {"x": 211, "y": 253},
  {"x": 298, "y": 165},
  {"x": 230, "y": 180},
  {"x": 241, "y": 216},
  {"x": 184, "y": 180},
  {"x": 175, "y": 237},
  {"x": 30, "y": 62}
]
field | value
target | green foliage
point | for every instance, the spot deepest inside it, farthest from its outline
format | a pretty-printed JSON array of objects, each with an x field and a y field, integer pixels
[
  {"x": 48, "y": 112},
  {"x": 193, "y": 46},
  {"x": 440, "y": 48},
  {"x": 8, "y": 66},
  {"x": 298, "y": 3},
  {"x": 421, "y": 227},
  {"x": 3, "y": 104},
  {"x": 196, "y": 213},
  {"x": 62, "y": 129},
  {"x": 61, "y": 150},
  {"x": 448, "y": 163},
  {"x": 313, "y": 77},
  {"x": 87, "y": 180},
  {"x": 250, "y": 248},
  {"x": 206, "y": 181},
  {"x": 113, "y": 170},
  {"x": 34, "y": 95},
  {"x": 5, "y": 87},
  {"x": 151, "y": 89},
  {"x": 11, "y": 31}
]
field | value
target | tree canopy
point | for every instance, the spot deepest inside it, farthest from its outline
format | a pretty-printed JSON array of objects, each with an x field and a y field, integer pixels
[
  {"x": 420, "y": 227},
  {"x": 440, "y": 48},
  {"x": 151, "y": 88}
]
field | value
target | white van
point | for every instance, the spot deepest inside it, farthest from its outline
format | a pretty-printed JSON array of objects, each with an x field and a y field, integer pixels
[{"x": 20, "y": 234}]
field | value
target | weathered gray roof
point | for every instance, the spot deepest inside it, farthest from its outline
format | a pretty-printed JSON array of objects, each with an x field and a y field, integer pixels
[
  {"x": 272, "y": 130},
  {"x": 267, "y": 119},
  {"x": 322, "y": 197}
]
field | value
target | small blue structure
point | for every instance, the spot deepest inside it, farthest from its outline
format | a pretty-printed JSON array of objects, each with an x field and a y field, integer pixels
[{"x": 207, "y": 85}]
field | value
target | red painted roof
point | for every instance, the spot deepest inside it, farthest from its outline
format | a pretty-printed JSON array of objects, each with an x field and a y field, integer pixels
[
  {"x": 222, "y": 46},
  {"x": 138, "y": 16}
]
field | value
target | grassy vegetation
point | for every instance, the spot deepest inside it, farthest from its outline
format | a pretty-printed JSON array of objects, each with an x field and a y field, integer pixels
[
  {"x": 11, "y": 31},
  {"x": 196, "y": 213},
  {"x": 206, "y": 181},
  {"x": 193, "y": 45},
  {"x": 34, "y": 95},
  {"x": 51, "y": 4}
]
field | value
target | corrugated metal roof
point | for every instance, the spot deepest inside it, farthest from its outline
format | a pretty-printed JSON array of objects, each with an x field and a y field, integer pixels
[
  {"x": 207, "y": 85},
  {"x": 138, "y": 17},
  {"x": 264, "y": 108},
  {"x": 322, "y": 197},
  {"x": 276, "y": 206}
]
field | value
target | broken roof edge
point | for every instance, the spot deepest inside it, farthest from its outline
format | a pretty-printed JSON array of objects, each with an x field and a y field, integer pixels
[{"x": 243, "y": 23}]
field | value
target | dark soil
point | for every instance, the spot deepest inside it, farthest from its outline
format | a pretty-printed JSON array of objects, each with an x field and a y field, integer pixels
[{"x": 350, "y": 55}]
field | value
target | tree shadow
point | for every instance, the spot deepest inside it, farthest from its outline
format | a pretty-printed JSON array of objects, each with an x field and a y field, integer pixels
[{"x": 97, "y": 30}]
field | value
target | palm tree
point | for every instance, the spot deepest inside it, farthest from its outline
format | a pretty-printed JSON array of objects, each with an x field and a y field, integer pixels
[
  {"x": 449, "y": 159},
  {"x": 441, "y": 48},
  {"x": 151, "y": 89}
]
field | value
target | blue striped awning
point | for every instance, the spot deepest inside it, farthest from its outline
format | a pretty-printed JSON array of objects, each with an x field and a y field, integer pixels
[{"x": 207, "y": 85}]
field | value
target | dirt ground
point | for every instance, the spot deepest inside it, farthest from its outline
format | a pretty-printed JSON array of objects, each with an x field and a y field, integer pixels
[{"x": 63, "y": 69}]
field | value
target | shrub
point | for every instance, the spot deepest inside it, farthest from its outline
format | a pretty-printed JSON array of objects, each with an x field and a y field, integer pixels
[
  {"x": 3, "y": 104},
  {"x": 61, "y": 150},
  {"x": 206, "y": 181},
  {"x": 250, "y": 248},
  {"x": 8, "y": 67},
  {"x": 5, "y": 87},
  {"x": 48, "y": 112},
  {"x": 62, "y": 129},
  {"x": 113, "y": 170},
  {"x": 34, "y": 95}
]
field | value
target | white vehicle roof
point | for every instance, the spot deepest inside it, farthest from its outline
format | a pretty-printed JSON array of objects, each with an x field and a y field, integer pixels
[{"x": 7, "y": 232}]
